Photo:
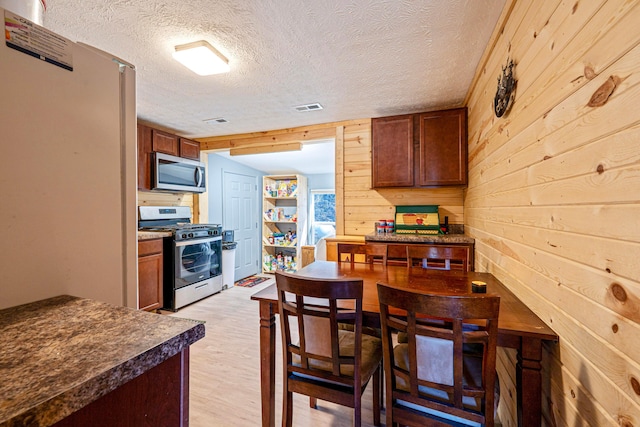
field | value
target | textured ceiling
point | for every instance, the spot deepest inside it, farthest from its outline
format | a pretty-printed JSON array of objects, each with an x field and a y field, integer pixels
[{"x": 358, "y": 58}]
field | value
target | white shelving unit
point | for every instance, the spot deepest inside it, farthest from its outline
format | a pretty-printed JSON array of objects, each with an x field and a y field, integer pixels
[{"x": 284, "y": 221}]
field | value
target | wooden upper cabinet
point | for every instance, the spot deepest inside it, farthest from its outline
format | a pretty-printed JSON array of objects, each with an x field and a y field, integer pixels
[
  {"x": 437, "y": 158},
  {"x": 392, "y": 151},
  {"x": 164, "y": 142},
  {"x": 152, "y": 140},
  {"x": 144, "y": 157},
  {"x": 443, "y": 148},
  {"x": 189, "y": 149}
]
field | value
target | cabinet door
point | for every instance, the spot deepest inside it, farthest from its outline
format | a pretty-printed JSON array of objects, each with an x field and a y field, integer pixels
[
  {"x": 144, "y": 157},
  {"x": 392, "y": 151},
  {"x": 443, "y": 148},
  {"x": 165, "y": 142},
  {"x": 189, "y": 149},
  {"x": 150, "y": 274}
]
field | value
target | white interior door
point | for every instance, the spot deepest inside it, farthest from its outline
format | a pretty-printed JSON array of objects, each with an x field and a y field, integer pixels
[{"x": 241, "y": 214}]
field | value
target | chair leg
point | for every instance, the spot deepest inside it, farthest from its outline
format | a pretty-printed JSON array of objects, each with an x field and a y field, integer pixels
[
  {"x": 382, "y": 401},
  {"x": 376, "y": 396},
  {"x": 313, "y": 402},
  {"x": 389, "y": 405},
  {"x": 357, "y": 410},
  {"x": 287, "y": 409}
]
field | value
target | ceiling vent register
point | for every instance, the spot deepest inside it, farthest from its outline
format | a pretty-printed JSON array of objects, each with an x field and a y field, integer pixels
[
  {"x": 216, "y": 120},
  {"x": 309, "y": 107}
]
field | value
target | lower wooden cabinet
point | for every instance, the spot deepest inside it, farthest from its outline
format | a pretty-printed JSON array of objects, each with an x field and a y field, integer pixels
[
  {"x": 158, "y": 397},
  {"x": 150, "y": 274}
]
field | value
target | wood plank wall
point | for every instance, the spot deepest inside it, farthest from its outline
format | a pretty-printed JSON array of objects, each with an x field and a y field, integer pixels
[
  {"x": 358, "y": 207},
  {"x": 362, "y": 206},
  {"x": 554, "y": 197}
]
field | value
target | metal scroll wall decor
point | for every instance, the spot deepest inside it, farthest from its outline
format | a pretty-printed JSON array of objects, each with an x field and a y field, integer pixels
[{"x": 505, "y": 91}]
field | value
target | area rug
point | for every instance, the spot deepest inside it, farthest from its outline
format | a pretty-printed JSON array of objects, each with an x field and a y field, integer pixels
[{"x": 251, "y": 281}]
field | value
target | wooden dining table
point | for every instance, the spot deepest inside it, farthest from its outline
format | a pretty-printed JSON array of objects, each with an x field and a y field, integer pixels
[{"x": 518, "y": 326}]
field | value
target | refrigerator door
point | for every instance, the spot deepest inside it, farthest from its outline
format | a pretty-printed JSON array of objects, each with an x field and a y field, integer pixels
[{"x": 68, "y": 178}]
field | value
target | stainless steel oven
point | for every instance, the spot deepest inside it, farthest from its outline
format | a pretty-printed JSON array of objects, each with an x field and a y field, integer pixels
[
  {"x": 197, "y": 260},
  {"x": 192, "y": 254},
  {"x": 197, "y": 271}
]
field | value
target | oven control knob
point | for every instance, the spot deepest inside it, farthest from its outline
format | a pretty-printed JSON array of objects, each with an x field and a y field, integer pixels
[
  {"x": 184, "y": 235},
  {"x": 190, "y": 235}
]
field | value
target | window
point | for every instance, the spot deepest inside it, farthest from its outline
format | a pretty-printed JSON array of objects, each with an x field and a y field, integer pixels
[{"x": 323, "y": 214}]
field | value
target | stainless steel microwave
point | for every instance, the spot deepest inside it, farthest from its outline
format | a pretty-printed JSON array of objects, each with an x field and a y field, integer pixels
[{"x": 177, "y": 174}]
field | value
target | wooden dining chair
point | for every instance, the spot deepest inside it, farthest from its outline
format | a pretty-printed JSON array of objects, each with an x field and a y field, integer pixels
[
  {"x": 439, "y": 257},
  {"x": 347, "y": 252},
  {"x": 323, "y": 361},
  {"x": 376, "y": 252},
  {"x": 430, "y": 379}
]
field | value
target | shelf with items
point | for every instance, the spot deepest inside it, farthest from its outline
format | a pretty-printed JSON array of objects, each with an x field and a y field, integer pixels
[
  {"x": 281, "y": 187},
  {"x": 283, "y": 222},
  {"x": 276, "y": 237},
  {"x": 283, "y": 259}
]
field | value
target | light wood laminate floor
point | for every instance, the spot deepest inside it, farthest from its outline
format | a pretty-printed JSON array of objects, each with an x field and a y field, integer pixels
[{"x": 225, "y": 369}]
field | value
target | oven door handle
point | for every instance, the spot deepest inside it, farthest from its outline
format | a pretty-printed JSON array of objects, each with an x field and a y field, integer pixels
[{"x": 196, "y": 241}]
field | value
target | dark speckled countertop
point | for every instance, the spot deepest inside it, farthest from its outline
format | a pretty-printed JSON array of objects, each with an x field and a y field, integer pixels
[
  {"x": 60, "y": 354},
  {"x": 418, "y": 238}
]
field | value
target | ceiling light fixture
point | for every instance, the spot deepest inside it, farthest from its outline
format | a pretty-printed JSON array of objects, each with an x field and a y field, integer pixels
[{"x": 201, "y": 58}]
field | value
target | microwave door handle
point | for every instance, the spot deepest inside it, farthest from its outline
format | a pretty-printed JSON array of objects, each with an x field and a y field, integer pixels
[{"x": 198, "y": 177}]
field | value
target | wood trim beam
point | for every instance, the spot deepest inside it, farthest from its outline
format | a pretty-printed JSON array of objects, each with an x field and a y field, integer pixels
[
  {"x": 271, "y": 148},
  {"x": 273, "y": 137},
  {"x": 236, "y": 141}
]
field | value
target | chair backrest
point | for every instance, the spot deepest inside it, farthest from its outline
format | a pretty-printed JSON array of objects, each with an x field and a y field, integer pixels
[
  {"x": 439, "y": 257},
  {"x": 310, "y": 310},
  {"x": 376, "y": 252},
  {"x": 348, "y": 252},
  {"x": 430, "y": 370}
]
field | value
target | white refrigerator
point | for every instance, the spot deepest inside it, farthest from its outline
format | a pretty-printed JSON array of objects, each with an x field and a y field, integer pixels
[{"x": 68, "y": 185}]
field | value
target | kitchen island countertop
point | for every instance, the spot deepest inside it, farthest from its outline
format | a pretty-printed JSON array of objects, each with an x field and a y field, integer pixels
[
  {"x": 419, "y": 238},
  {"x": 63, "y": 353}
]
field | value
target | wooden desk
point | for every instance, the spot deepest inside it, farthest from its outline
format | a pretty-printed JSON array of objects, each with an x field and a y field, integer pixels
[{"x": 518, "y": 326}]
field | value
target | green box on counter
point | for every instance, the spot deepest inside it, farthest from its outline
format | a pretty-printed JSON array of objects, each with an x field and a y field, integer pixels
[{"x": 417, "y": 220}]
